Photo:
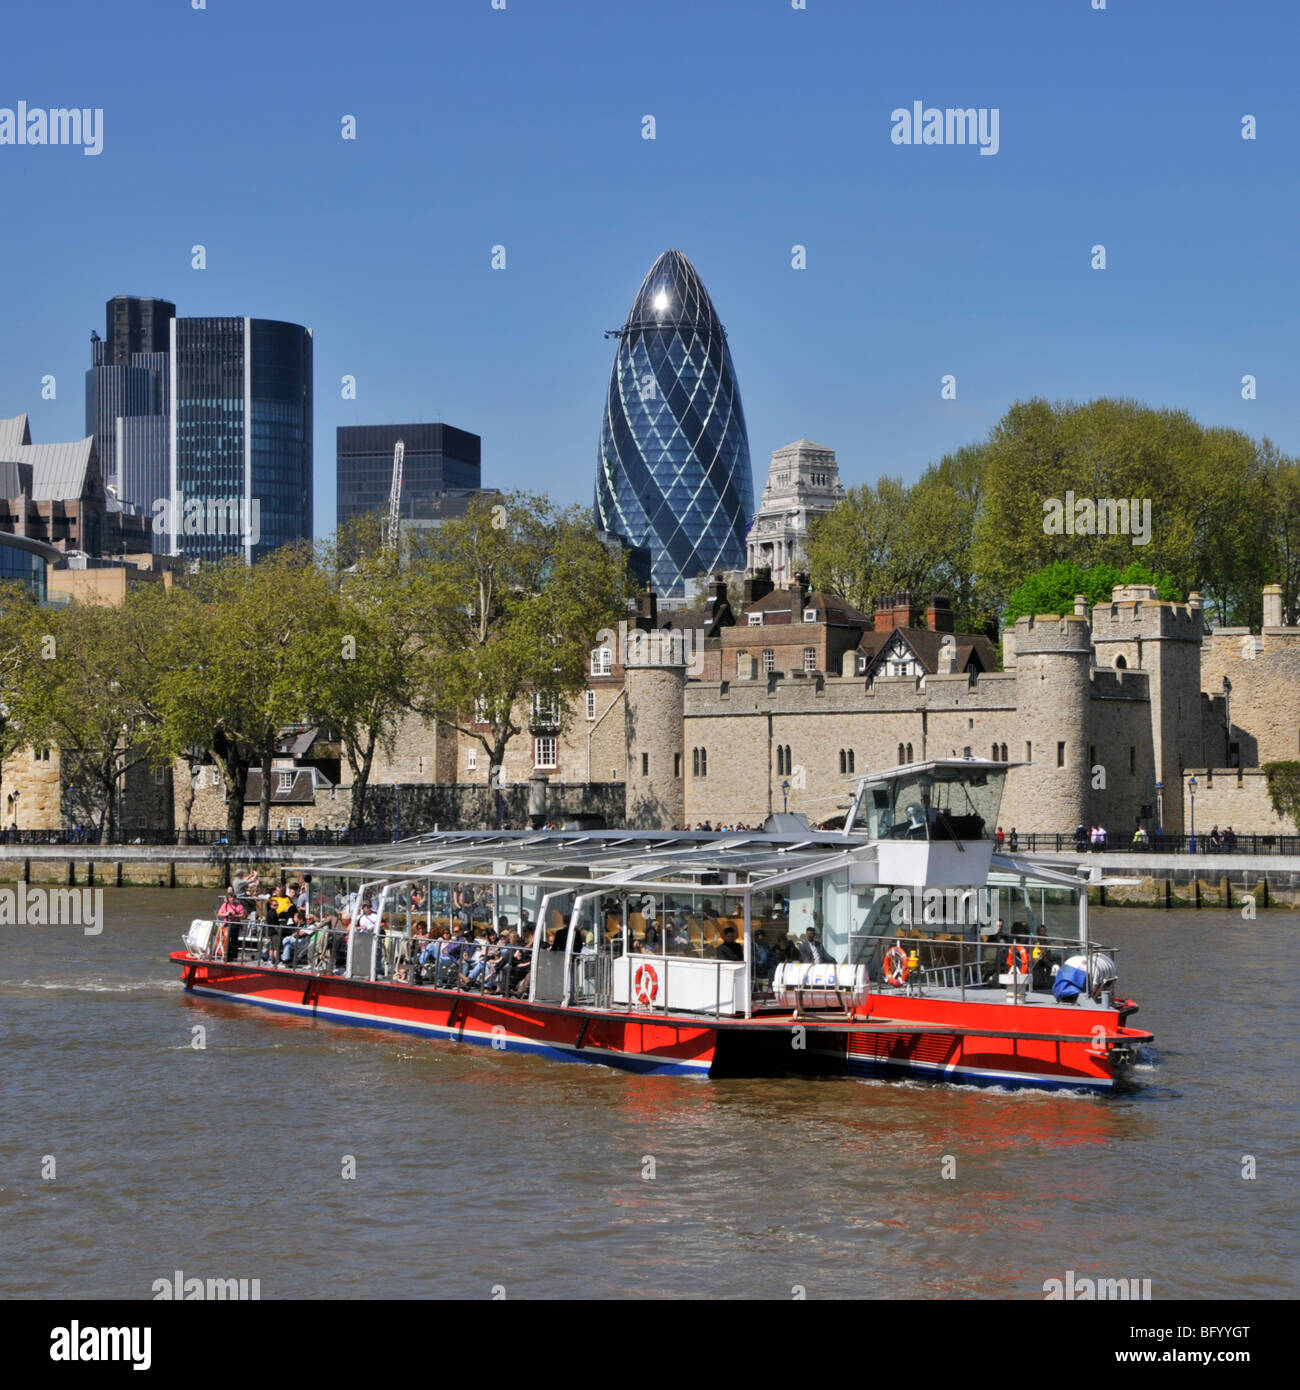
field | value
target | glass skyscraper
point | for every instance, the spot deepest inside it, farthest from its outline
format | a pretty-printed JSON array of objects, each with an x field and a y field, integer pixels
[
  {"x": 673, "y": 473},
  {"x": 241, "y": 436},
  {"x": 437, "y": 459},
  {"x": 127, "y": 376}
]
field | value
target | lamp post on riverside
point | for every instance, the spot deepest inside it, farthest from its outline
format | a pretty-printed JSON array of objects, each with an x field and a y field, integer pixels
[
  {"x": 398, "y": 833},
  {"x": 1191, "y": 787},
  {"x": 785, "y": 795},
  {"x": 1160, "y": 810}
]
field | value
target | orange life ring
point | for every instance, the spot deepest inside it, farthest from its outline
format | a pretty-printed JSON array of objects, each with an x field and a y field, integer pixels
[
  {"x": 646, "y": 984},
  {"x": 896, "y": 966},
  {"x": 1018, "y": 958},
  {"x": 219, "y": 949}
]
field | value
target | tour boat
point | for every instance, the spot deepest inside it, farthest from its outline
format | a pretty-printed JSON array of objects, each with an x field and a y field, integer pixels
[{"x": 870, "y": 951}]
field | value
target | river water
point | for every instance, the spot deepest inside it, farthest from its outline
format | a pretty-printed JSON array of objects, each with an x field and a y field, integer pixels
[{"x": 479, "y": 1172}]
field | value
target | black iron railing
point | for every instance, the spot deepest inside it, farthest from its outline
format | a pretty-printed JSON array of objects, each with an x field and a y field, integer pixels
[{"x": 1064, "y": 841}]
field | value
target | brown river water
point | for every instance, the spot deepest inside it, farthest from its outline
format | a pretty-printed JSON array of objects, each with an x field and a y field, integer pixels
[{"x": 478, "y": 1171}]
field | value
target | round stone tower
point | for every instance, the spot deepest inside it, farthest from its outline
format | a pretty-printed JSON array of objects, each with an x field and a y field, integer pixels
[
  {"x": 1052, "y": 656},
  {"x": 655, "y": 681}
]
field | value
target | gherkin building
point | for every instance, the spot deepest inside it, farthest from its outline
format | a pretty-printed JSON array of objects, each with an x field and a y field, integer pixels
[{"x": 673, "y": 473}]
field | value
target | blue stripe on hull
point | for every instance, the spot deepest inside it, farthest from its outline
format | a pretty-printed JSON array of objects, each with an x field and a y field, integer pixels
[
  {"x": 883, "y": 1069},
  {"x": 645, "y": 1066}
]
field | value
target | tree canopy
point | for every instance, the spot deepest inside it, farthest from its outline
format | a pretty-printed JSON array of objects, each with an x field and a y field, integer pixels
[
  {"x": 1106, "y": 483},
  {"x": 1052, "y": 589}
]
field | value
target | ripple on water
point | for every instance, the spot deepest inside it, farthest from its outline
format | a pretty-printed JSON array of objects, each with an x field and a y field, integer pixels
[{"x": 474, "y": 1168}]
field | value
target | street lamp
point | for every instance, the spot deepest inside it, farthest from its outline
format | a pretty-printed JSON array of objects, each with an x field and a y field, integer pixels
[
  {"x": 1191, "y": 787},
  {"x": 785, "y": 795},
  {"x": 398, "y": 835},
  {"x": 1160, "y": 809}
]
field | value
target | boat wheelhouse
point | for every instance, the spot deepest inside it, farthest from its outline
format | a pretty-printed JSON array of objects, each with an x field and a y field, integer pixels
[{"x": 902, "y": 945}]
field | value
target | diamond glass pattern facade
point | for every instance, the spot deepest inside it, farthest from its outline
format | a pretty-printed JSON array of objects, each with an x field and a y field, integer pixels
[{"x": 673, "y": 473}]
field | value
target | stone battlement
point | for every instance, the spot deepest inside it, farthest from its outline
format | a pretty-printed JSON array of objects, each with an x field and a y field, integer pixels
[
  {"x": 799, "y": 693},
  {"x": 1135, "y": 612},
  {"x": 1047, "y": 632},
  {"x": 1120, "y": 684}
]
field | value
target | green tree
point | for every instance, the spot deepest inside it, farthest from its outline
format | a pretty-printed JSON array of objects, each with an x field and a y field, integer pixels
[
  {"x": 370, "y": 667},
  {"x": 508, "y": 601},
  {"x": 943, "y": 509},
  {"x": 871, "y": 545},
  {"x": 22, "y": 633},
  {"x": 1052, "y": 589},
  {"x": 1207, "y": 531},
  {"x": 82, "y": 697},
  {"x": 1282, "y": 505},
  {"x": 253, "y": 637},
  {"x": 1283, "y": 780}
]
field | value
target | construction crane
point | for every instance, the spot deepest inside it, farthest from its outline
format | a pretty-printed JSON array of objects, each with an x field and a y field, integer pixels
[{"x": 395, "y": 496}]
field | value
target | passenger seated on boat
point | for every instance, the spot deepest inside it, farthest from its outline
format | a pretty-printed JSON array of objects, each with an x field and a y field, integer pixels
[
  {"x": 811, "y": 950},
  {"x": 652, "y": 943},
  {"x": 494, "y": 978},
  {"x": 298, "y": 943},
  {"x": 486, "y": 953},
  {"x": 433, "y": 949},
  {"x": 762, "y": 955},
  {"x": 679, "y": 936},
  {"x": 729, "y": 948},
  {"x": 516, "y": 963},
  {"x": 321, "y": 944}
]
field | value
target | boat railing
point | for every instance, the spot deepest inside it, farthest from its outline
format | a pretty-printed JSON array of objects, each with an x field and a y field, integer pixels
[{"x": 952, "y": 962}]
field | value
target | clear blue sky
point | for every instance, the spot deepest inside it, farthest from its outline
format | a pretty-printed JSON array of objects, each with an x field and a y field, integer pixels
[{"x": 523, "y": 127}]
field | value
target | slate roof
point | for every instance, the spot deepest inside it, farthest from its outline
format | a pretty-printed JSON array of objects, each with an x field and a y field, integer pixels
[
  {"x": 926, "y": 646},
  {"x": 782, "y": 602}
]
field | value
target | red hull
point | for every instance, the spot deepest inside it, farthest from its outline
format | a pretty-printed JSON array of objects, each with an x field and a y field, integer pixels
[{"x": 946, "y": 1040}]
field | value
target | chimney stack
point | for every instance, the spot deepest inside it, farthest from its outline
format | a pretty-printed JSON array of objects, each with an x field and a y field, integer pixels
[
  {"x": 758, "y": 586},
  {"x": 894, "y": 610},
  {"x": 647, "y": 610},
  {"x": 938, "y": 616}
]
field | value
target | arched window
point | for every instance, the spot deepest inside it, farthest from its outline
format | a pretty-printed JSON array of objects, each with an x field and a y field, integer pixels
[
  {"x": 1005, "y": 759},
  {"x": 909, "y": 752},
  {"x": 1120, "y": 663},
  {"x": 902, "y": 755}
]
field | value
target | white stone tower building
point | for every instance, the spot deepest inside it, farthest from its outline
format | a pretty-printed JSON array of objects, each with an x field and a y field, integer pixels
[{"x": 803, "y": 483}]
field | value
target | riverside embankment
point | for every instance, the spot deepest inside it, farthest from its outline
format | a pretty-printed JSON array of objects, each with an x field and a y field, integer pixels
[
  {"x": 1187, "y": 880},
  {"x": 1119, "y": 879},
  {"x": 148, "y": 866}
]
